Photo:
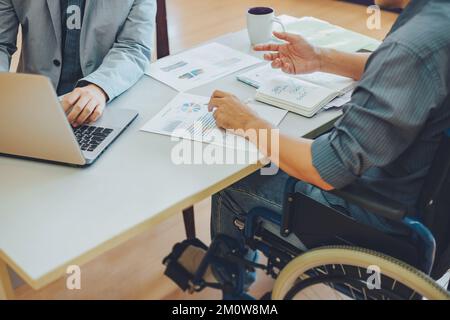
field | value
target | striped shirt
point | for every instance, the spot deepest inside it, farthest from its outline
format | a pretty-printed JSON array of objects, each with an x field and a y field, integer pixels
[{"x": 390, "y": 131}]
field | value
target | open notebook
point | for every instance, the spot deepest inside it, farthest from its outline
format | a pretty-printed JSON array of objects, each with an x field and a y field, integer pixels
[
  {"x": 303, "y": 94},
  {"x": 295, "y": 95},
  {"x": 257, "y": 76}
]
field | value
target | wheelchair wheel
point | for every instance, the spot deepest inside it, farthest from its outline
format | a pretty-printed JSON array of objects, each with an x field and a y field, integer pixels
[{"x": 354, "y": 273}]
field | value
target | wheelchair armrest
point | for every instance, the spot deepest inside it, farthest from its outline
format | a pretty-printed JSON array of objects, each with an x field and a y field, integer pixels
[{"x": 373, "y": 202}]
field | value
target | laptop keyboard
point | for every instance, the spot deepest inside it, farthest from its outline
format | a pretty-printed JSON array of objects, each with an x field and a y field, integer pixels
[{"x": 90, "y": 137}]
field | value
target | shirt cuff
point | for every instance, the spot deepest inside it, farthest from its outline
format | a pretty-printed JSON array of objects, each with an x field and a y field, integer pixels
[
  {"x": 4, "y": 62},
  {"x": 329, "y": 165},
  {"x": 98, "y": 82}
]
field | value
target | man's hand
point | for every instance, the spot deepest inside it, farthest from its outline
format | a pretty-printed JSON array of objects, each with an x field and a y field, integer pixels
[
  {"x": 297, "y": 56},
  {"x": 84, "y": 105},
  {"x": 231, "y": 113}
]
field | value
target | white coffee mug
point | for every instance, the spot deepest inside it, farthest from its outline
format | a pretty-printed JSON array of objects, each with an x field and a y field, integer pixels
[{"x": 260, "y": 22}]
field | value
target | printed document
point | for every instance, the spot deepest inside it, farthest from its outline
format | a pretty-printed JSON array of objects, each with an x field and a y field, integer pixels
[
  {"x": 187, "y": 116},
  {"x": 199, "y": 66}
]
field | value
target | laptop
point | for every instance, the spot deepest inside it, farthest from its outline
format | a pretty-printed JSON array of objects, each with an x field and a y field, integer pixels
[{"x": 33, "y": 124}]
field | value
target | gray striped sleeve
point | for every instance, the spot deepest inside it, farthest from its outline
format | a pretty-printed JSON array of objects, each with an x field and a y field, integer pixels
[{"x": 388, "y": 110}]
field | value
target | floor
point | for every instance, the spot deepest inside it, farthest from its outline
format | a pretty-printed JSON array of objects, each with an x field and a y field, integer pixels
[{"x": 134, "y": 270}]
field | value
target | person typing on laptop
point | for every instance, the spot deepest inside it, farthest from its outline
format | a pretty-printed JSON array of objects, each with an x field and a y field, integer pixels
[
  {"x": 385, "y": 141},
  {"x": 91, "y": 50}
]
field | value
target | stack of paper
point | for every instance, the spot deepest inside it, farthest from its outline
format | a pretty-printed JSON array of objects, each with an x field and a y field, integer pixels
[
  {"x": 295, "y": 95},
  {"x": 339, "y": 101},
  {"x": 331, "y": 81},
  {"x": 256, "y": 77},
  {"x": 324, "y": 34}
]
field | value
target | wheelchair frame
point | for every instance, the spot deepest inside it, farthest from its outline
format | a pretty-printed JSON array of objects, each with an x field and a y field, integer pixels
[{"x": 418, "y": 249}]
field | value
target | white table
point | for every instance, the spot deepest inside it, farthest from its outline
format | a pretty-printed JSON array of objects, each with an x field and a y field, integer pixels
[{"x": 54, "y": 216}]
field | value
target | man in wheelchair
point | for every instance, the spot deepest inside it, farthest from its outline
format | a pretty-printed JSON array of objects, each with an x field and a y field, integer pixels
[{"x": 377, "y": 180}]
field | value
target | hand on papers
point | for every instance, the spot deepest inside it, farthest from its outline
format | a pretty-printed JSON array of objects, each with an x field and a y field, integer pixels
[
  {"x": 297, "y": 56},
  {"x": 231, "y": 113},
  {"x": 84, "y": 105}
]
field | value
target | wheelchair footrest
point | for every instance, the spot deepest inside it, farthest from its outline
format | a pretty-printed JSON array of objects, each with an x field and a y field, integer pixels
[
  {"x": 191, "y": 265},
  {"x": 184, "y": 262}
]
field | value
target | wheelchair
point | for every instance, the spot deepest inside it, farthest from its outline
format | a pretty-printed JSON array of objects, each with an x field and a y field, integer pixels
[{"x": 312, "y": 246}]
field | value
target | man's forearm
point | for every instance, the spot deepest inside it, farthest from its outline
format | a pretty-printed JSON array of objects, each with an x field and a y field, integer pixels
[
  {"x": 292, "y": 155},
  {"x": 296, "y": 159},
  {"x": 342, "y": 63}
]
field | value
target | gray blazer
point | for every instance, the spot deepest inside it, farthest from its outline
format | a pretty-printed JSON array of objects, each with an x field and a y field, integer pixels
[{"x": 116, "y": 40}]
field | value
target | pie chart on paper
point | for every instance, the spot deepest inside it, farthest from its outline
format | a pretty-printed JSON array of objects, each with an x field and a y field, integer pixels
[{"x": 191, "y": 107}]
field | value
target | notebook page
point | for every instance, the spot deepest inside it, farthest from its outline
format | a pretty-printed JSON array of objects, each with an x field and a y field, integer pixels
[
  {"x": 287, "y": 90},
  {"x": 256, "y": 77}
]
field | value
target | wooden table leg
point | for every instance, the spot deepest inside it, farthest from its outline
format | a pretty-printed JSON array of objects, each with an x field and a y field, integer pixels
[
  {"x": 162, "y": 32},
  {"x": 189, "y": 222},
  {"x": 6, "y": 289}
]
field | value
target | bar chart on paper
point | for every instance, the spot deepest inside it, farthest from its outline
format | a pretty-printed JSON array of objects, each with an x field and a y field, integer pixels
[{"x": 199, "y": 66}]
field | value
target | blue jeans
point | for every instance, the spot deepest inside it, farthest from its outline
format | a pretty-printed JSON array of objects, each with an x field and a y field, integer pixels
[{"x": 268, "y": 191}]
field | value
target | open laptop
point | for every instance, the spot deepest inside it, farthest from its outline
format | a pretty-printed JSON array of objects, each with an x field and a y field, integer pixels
[{"x": 34, "y": 125}]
